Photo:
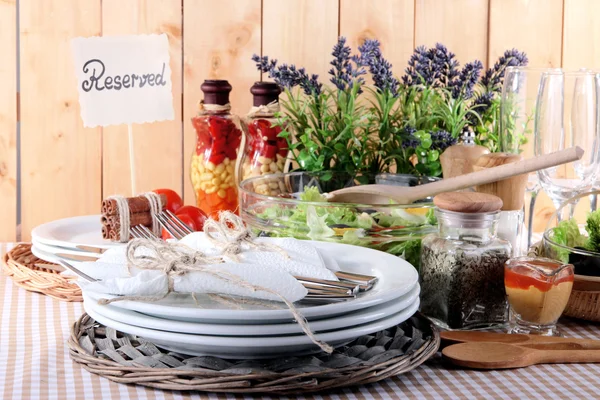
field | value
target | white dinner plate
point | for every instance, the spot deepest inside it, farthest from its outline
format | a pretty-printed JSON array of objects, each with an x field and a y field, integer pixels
[
  {"x": 396, "y": 278},
  {"x": 252, "y": 347},
  {"x": 363, "y": 316},
  {"x": 72, "y": 232},
  {"x": 44, "y": 255}
]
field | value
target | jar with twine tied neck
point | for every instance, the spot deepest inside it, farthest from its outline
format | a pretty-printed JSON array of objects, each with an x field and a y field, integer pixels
[
  {"x": 264, "y": 152},
  {"x": 218, "y": 138}
]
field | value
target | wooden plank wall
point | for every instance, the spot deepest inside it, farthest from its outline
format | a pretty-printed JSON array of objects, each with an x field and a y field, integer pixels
[{"x": 66, "y": 169}]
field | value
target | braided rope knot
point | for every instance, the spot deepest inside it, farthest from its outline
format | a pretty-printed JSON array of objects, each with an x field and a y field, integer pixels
[{"x": 229, "y": 234}]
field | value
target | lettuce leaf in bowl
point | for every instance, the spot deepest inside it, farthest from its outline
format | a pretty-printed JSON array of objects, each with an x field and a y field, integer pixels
[{"x": 567, "y": 233}]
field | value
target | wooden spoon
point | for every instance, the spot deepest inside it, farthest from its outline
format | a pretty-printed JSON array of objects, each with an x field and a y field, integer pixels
[
  {"x": 454, "y": 337},
  {"x": 489, "y": 355},
  {"x": 382, "y": 194}
]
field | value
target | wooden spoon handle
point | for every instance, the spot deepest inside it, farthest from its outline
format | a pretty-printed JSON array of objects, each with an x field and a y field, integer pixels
[
  {"x": 451, "y": 337},
  {"x": 566, "y": 356},
  {"x": 491, "y": 174}
]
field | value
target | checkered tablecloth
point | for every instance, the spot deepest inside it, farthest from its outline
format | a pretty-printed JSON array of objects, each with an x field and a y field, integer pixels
[{"x": 35, "y": 364}]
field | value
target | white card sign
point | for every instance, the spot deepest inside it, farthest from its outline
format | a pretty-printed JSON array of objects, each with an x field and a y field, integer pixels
[{"x": 123, "y": 79}]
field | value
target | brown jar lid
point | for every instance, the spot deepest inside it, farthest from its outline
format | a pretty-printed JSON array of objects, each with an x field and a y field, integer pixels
[
  {"x": 265, "y": 93},
  {"x": 468, "y": 202},
  {"x": 216, "y": 91}
]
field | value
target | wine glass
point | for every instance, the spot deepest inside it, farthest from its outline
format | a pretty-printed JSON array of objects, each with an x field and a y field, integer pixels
[
  {"x": 566, "y": 115},
  {"x": 517, "y": 114}
]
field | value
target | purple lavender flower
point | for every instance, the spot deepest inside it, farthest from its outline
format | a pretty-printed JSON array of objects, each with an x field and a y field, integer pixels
[
  {"x": 480, "y": 105},
  {"x": 289, "y": 76},
  {"x": 441, "y": 140},
  {"x": 409, "y": 140},
  {"x": 379, "y": 67},
  {"x": 466, "y": 81},
  {"x": 492, "y": 80},
  {"x": 435, "y": 67},
  {"x": 344, "y": 74}
]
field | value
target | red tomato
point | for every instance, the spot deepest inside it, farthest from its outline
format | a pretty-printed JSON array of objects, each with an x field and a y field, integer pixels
[
  {"x": 174, "y": 201},
  {"x": 269, "y": 151},
  {"x": 196, "y": 214},
  {"x": 186, "y": 219}
]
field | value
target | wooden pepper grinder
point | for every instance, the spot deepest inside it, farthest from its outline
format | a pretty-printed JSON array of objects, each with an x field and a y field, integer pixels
[
  {"x": 511, "y": 190},
  {"x": 460, "y": 158},
  {"x": 512, "y": 193}
]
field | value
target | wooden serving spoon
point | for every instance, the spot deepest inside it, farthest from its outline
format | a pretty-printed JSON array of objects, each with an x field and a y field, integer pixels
[
  {"x": 454, "y": 337},
  {"x": 490, "y": 355},
  {"x": 382, "y": 194}
]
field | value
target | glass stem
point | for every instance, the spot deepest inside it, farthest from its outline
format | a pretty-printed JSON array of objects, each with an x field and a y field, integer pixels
[
  {"x": 594, "y": 202},
  {"x": 530, "y": 219}
]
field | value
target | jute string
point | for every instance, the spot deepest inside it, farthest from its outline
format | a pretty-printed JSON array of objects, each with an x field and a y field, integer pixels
[
  {"x": 213, "y": 107},
  {"x": 125, "y": 214},
  {"x": 174, "y": 259},
  {"x": 155, "y": 209},
  {"x": 124, "y": 217},
  {"x": 229, "y": 234},
  {"x": 264, "y": 111}
]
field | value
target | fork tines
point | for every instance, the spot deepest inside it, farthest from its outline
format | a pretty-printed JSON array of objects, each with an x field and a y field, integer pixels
[
  {"x": 173, "y": 225},
  {"x": 142, "y": 232}
]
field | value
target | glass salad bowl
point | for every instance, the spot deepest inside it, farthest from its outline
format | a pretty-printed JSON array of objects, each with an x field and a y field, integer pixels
[
  {"x": 292, "y": 205},
  {"x": 576, "y": 238}
]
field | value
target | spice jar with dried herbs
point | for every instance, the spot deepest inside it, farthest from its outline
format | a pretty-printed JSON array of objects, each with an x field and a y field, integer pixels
[
  {"x": 462, "y": 266},
  {"x": 218, "y": 137},
  {"x": 265, "y": 152}
]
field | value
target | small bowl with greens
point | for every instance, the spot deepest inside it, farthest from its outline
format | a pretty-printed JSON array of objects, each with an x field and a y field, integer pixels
[
  {"x": 293, "y": 205},
  {"x": 575, "y": 239}
]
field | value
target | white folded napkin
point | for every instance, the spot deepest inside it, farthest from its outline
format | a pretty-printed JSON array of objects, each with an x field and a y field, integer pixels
[
  {"x": 268, "y": 269},
  {"x": 155, "y": 282},
  {"x": 304, "y": 259}
]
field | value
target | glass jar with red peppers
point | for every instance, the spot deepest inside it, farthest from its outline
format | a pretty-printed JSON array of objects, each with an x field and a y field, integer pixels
[
  {"x": 265, "y": 152},
  {"x": 218, "y": 138}
]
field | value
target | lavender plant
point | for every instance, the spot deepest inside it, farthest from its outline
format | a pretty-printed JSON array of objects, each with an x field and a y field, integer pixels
[
  {"x": 323, "y": 126},
  {"x": 403, "y": 125}
]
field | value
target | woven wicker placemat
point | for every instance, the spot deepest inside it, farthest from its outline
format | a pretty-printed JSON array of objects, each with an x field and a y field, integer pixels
[
  {"x": 129, "y": 359},
  {"x": 27, "y": 271}
]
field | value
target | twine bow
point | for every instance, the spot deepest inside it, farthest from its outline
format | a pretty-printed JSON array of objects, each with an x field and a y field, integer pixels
[
  {"x": 264, "y": 111},
  {"x": 229, "y": 234}
]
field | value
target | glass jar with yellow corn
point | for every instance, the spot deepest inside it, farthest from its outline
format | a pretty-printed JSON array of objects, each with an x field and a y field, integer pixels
[{"x": 218, "y": 138}]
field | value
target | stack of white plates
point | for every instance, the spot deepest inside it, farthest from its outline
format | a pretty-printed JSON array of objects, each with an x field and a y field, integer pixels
[
  {"x": 245, "y": 329},
  {"x": 67, "y": 239}
]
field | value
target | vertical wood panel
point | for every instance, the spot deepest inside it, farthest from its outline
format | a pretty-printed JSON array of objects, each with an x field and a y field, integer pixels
[
  {"x": 581, "y": 36},
  {"x": 8, "y": 121},
  {"x": 532, "y": 26},
  {"x": 301, "y": 32},
  {"x": 158, "y": 157},
  {"x": 394, "y": 28},
  {"x": 60, "y": 159},
  {"x": 461, "y": 25},
  {"x": 535, "y": 27},
  {"x": 219, "y": 41}
]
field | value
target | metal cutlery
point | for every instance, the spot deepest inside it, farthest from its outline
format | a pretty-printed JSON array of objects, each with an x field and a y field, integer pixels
[
  {"x": 91, "y": 249},
  {"x": 77, "y": 271},
  {"x": 322, "y": 296},
  {"x": 76, "y": 257},
  {"x": 173, "y": 225}
]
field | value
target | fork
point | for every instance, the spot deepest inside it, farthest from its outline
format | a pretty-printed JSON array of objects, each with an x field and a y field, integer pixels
[
  {"x": 173, "y": 225},
  {"x": 142, "y": 232}
]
